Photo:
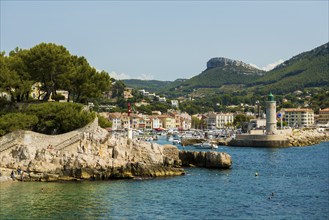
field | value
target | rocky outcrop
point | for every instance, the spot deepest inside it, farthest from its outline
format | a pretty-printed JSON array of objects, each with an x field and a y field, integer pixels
[
  {"x": 87, "y": 154},
  {"x": 209, "y": 159},
  {"x": 307, "y": 137},
  {"x": 222, "y": 61}
]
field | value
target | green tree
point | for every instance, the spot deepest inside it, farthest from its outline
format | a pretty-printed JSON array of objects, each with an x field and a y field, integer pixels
[
  {"x": 57, "y": 118},
  {"x": 46, "y": 62},
  {"x": 15, "y": 121},
  {"x": 118, "y": 89},
  {"x": 104, "y": 122},
  {"x": 239, "y": 119}
]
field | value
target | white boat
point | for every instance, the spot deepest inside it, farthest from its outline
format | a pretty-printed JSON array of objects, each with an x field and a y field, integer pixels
[
  {"x": 176, "y": 141},
  {"x": 208, "y": 145}
]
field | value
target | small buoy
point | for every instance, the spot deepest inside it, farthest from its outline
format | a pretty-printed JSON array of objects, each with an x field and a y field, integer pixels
[
  {"x": 272, "y": 194},
  {"x": 256, "y": 174}
]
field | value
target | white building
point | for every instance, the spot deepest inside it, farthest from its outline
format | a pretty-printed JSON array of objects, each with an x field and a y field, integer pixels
[
  {"x": 156, "y": 122},
  {"x": 175, "y": 103},
  {"x": 115, "y": 118},
  {"x": 162, "y": 99},
  {"x": 299, "y": 117},
  {"x": 219, "y": 120}
]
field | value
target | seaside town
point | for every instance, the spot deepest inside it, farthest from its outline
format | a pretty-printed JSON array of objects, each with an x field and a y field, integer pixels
[
  {"x": 174, "y": 119},
  {"x": 202, "y": 129},
  {"x": 164, "y": 110}
]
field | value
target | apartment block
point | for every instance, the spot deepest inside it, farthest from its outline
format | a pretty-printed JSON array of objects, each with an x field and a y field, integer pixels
[{"x": 299, "y": 117}]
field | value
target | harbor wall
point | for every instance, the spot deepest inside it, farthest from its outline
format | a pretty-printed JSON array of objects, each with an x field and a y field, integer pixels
[{"x": 260, "y": 141}]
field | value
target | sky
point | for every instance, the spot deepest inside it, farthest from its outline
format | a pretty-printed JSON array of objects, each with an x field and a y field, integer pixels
[{"x": 167, "y": 40}]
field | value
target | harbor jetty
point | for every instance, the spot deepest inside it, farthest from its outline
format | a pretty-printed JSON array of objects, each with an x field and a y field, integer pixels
[{"x": 272, "y": 137}]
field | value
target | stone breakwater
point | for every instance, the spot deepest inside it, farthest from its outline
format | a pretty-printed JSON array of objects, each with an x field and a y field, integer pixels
[{"x": 307, "y": 137}]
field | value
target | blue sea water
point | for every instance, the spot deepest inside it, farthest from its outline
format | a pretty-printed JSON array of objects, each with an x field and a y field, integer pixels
[{"x": 297, "y": 177}]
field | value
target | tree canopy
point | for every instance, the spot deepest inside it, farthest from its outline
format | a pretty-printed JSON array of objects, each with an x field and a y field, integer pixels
[{"x": 56, "y": 69}]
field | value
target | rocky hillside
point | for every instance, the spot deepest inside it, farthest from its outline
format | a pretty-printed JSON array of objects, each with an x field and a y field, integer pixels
[
  {"x": 223, "y": 75},
  {"x": 222, "y": 62},
  {"x": 220, "y": 71},
  {"x": 308, "y": 69}
]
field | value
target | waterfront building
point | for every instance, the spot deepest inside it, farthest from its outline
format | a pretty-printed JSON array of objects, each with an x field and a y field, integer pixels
[
  {"x": 299, "y": 117},
  {"x": 219, "y": 120},
  {"x": 185, "y": 121},
  {"x": 323, "y": 116},
  {"x": 115, "y": 118},
  {"x": 270, "y": 114},
  {"x": 156, "y": 122},
  {"x": 168, "y": 122}
]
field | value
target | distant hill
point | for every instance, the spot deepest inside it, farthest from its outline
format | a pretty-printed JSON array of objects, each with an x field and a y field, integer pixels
[
  {"x": 223, "y": 75},
  {"x": 224, "y": 71},
  {"x": 220, "y": 72},
  {"x": 308, "y": 69},
  {"x": 148, "y": 85}
]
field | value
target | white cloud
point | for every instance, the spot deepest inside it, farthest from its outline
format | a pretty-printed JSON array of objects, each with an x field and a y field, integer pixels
[
  {"x": 271, "y": 66},
  {"x": 145, "y": 77},
  {"x": 119, "y": 76},
  {"x": 268, "y": 67}
]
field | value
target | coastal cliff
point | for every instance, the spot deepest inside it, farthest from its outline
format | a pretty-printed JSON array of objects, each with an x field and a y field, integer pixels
[
  {"x": 92, "y": 153},
  {"x": 88, "y": 153}
]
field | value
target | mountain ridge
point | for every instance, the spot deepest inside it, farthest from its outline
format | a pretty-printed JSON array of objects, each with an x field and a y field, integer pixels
[{"x": 307, "y": 69}]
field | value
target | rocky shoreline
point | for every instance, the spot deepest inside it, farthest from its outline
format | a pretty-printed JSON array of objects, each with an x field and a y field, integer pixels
[
  {"x": 306, "y": 137},
  {"x": 90, "y": 153}
]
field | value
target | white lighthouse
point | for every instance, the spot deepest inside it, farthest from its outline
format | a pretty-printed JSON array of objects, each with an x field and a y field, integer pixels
[{"x": 270, "y": 114}]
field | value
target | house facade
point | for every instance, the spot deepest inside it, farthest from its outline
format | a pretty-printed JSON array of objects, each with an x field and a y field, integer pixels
[
  {"x": 323, "y": 116},
  {"x": 299, "y": 117}
]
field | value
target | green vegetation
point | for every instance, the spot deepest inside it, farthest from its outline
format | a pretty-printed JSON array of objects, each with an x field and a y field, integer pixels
[
  {"x": 240, "y": 119},
  {"x": 46, "y": 118},
  {"x": 15, "y": 121},
  {"x": 48, "y": 67},
  {"x": 308, "y": 69},
  {"x": 55, "y": 68},
  {"x": 148, "y": 85},
  {"x": 103, "y": 122}
]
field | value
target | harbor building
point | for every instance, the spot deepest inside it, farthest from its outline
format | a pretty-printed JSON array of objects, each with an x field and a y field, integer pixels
[
  {"x": 219, "y": 120},
  {"x": 299, "y": 117}
]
